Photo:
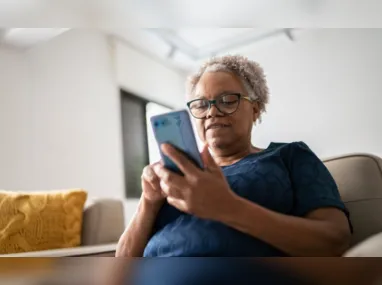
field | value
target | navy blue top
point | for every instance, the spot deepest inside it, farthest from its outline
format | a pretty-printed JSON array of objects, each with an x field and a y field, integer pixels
[{"x": 286, "y": 178}]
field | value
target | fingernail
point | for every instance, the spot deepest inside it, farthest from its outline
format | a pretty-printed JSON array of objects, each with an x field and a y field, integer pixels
[
  {"x": 150, "y": 174},
  {"x": 163, "y": 147}
]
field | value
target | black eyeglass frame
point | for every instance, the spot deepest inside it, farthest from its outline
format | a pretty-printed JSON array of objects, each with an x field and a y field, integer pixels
[{"x": 214, "y": 102}]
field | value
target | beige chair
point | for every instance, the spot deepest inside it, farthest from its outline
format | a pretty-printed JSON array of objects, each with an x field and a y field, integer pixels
[{"x": 359, "y": 179}]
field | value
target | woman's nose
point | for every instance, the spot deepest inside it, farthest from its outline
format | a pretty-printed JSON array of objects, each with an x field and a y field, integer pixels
[{"x": 213, "y": 111}]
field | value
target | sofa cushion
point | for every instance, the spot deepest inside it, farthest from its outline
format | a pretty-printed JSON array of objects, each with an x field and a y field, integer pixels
[
  {"x": 103, "y": 221},
  {"x": 91, "y": 250},
  {"x": 371, "y": 247},
  {"x": 359, "y": 180},
  {"x": 40, "y": 220}
]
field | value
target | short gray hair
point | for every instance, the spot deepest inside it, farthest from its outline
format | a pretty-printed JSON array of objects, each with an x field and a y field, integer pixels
[{"x": 249, "y": 72}]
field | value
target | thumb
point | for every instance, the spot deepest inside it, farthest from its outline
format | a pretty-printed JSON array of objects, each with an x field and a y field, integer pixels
[{"x": 207, "y": 158}]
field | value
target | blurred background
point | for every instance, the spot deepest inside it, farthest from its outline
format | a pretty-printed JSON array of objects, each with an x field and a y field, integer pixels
[{"x": 75, "y": 102}]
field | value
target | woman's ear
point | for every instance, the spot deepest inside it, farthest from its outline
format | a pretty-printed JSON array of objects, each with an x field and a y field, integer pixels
[{"x": 255, "y": 111}]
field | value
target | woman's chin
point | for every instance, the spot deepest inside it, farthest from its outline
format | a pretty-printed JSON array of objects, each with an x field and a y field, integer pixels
[{"x": 218, "y": 143}]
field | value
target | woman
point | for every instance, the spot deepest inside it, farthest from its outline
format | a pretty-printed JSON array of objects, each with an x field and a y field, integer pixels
[{"x": 278, "y": 201}]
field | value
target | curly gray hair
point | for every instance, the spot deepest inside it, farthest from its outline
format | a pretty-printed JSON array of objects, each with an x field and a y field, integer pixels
[{"x": 249, "y": 72}]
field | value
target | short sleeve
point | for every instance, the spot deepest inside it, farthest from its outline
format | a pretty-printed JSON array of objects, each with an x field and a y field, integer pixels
[{"x": 313, "y": 185}]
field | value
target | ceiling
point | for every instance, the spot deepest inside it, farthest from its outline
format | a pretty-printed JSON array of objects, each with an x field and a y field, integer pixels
[
  {"x": 183, "y": 48},
  {"x": 196, "y": 13},
  {"x": 186, "y": 48}
]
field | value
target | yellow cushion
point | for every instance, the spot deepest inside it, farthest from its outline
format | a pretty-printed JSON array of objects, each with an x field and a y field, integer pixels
[{"x": 40, "y": 220}]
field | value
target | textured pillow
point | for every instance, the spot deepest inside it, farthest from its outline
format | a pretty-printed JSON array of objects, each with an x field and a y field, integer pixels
[{"x": 40, "y": 220}]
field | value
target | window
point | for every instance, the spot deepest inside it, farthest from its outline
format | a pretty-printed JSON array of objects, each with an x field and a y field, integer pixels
[{"x": 139, "y": 145}]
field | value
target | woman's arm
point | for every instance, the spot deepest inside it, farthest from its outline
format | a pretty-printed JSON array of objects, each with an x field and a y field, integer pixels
[
  {"x": 133, "y": 241},
  {"x": 322, "y": 232}
]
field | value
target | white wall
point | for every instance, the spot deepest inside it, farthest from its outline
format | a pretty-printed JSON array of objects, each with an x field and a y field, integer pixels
[
  {"x": 148, "y": 78},
  {"x": 15, "y": 125},
  {"x": 77, "y": 139},
  {"x": 60, "y": 121},
  {"x": 326, "y": 90}
]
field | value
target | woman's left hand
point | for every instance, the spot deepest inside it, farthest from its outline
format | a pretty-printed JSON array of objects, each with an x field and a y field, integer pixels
[{"x": 203, "y": 193}]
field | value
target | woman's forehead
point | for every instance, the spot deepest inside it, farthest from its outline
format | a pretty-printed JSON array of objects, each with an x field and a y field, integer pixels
[{"x": 212, "y": 84}]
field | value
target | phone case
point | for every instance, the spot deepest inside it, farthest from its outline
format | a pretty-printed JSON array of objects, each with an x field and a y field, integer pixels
[{"x": 175, "y": 128}]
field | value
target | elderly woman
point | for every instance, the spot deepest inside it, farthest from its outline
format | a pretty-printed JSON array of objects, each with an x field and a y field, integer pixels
[{"x": 277, "y": 201}]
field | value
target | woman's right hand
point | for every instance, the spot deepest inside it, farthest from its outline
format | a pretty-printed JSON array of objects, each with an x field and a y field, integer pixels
[
  {"x": 134, "y": 239},
  {"x": 151, "y": 190}
]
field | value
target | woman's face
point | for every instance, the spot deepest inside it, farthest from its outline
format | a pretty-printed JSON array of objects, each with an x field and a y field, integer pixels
[{"x": 223, "y": 132}]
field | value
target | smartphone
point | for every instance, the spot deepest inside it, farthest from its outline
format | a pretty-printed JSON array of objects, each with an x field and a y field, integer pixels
[{"x": 175, "y": 128}]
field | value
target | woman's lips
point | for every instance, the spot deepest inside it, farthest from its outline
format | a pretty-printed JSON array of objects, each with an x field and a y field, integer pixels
[{"x": 217, "y": 126}]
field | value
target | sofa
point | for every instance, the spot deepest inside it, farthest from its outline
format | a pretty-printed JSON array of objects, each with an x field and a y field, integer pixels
[
  {"x": 103, "y": 224},
  {"x": 359, "y": 180}
]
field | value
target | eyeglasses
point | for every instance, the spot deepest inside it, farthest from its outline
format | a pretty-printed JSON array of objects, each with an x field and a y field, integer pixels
[{"x": 226, "y": 104}]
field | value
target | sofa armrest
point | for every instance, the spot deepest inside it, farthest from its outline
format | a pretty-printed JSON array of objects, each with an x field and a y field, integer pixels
[
  {"x": 371, "y": 247},
  {"x": 103, "y": 222},
  {"x": 94, "y": 250}
]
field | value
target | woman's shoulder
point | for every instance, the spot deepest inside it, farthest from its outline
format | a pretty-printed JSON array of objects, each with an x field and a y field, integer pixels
[
  {"x": 292, "y": 151},
  {"x": 276, "y": 150},
  {"x": 288, "y": 145},
  {"x": 295, "y": 153}
]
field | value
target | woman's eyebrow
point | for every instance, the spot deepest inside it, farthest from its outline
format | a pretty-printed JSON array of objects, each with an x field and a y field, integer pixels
[{"x": 219, "y": 94}]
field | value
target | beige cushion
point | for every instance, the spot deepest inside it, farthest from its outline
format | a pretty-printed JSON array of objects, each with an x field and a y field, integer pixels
[
  {"x": 371, "y": 247},
  {"x": 359, "y": 180},
  {"x": 103, "y": 222}
]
